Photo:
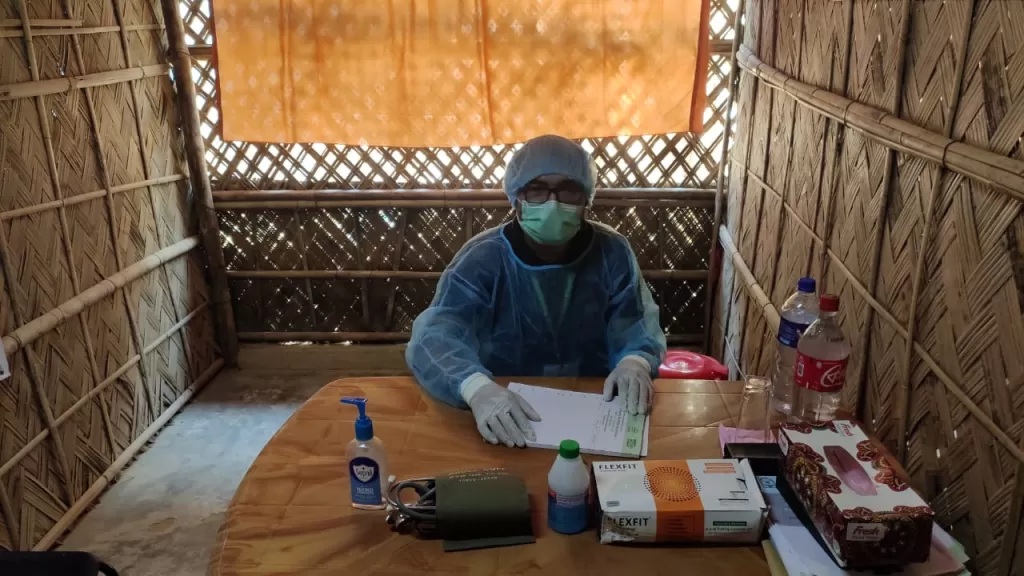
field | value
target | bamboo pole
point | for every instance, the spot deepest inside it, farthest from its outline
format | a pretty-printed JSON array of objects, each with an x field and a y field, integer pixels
[
  {"x": 80, "y": 198},
  {"x": 713, "y": 257},
  {"x": 208, "y": 228},
  {"x": 706, "y": 194},
  {"x": 1003, "y": 174},
  {"x": 695, "y": 338},
  {"x": 29, "y": 332},
  {"x": 421, "y": 274},
  {"x": 201, "y": 51},
  {"x": 59, "y": 85},
  {"x": 323, "y": 336},
  {"x": 101, "y": 483},
  {"x": 78, "y": 31},
  {"x": 206, "y": 51},
  {"x": 286, "y": 204},
  {"x": 42, "y": 23},
  {"x": 768, "y": 310}
]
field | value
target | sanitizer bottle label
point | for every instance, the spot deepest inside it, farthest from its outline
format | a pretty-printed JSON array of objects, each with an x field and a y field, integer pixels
[
  {"x": 567, "y": 513},
  {"x": 364, "y": 476}
]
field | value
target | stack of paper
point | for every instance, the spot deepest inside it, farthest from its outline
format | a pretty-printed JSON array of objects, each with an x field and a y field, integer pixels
[{"x": 604, "y": 428}]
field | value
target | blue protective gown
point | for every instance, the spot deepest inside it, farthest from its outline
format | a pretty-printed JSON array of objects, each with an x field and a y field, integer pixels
[{"x": 496, "y": 315}]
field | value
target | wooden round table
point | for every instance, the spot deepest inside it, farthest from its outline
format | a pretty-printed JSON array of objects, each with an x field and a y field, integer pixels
[{"x": 292, "y": 513}]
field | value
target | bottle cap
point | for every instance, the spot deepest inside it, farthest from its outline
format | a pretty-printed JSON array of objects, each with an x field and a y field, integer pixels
[
  {"x": 829, "y": 303},
  {"x": 364, "y": 426},
  {"x": 569, "y": 449},
  {"x": 806, "y": 285}
]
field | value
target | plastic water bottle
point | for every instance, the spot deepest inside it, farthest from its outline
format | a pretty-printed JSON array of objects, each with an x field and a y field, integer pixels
[
  {"x": 799, "y": 311},
  {"x": 568, "y": 490},
  {"x": 820, "y": 370}
]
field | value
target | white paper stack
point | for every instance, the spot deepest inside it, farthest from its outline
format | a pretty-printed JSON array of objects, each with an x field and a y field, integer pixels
[{"x": 604, "y": 428}]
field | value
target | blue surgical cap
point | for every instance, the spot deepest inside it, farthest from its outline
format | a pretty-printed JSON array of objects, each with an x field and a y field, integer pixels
[{"x": 545, "y": 155}]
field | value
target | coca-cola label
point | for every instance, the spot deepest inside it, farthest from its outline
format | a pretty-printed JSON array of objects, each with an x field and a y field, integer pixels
[{"x": 819, "y": 375}]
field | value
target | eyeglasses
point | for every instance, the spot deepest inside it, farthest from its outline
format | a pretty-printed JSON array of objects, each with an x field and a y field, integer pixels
[{"x": 566, "y": 192}]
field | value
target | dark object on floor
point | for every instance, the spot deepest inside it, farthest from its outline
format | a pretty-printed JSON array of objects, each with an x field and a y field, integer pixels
[{"x": 52, "y": 564}]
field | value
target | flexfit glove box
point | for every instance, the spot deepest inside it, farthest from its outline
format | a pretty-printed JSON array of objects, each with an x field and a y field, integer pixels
[
  {"x": 678, "y": 501},
  {"x": 863, "y": 508}
]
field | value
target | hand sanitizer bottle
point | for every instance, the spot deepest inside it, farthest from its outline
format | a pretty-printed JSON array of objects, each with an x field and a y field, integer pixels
[{"x": 367, "y": 462}]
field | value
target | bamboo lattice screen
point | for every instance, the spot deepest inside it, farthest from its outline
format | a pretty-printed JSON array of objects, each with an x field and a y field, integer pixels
[
  {"x": 104, "y": 303},
  {"x": 878, "y": 148},
  {"x": 334, "y": 265}
]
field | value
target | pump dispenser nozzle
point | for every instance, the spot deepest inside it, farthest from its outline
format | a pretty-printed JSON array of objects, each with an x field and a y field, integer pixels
[{"x": 364, "y": 425}]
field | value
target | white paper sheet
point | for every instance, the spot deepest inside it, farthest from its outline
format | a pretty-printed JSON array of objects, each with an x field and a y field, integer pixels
[{"x": 603, "y": 428}]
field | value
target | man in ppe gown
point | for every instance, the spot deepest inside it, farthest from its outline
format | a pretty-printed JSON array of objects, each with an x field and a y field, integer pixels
[{"x": 547, "y": 294}]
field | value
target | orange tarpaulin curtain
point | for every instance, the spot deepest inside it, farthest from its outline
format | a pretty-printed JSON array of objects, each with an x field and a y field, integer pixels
[{"x": 459, "y": 72}]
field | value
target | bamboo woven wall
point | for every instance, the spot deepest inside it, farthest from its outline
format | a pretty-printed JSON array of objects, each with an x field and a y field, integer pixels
[
  {"x": 284, "y": 251},
  {"x": 878, "y": 149},
  {"x": 103, "y": 303}
]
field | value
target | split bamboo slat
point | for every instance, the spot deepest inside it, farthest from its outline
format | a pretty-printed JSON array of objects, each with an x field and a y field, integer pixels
[
  {"x": 107, "y": 318},
  {"x": 878, "y": 149}
]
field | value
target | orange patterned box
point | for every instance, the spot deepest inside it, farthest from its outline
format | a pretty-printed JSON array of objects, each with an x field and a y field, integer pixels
[
  {"x": 678, "y": 501},
  {"x": 863, "y": 508}
]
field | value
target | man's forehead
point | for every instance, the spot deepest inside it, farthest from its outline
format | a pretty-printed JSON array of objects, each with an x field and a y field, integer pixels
[{"x": 551, "y": 179}]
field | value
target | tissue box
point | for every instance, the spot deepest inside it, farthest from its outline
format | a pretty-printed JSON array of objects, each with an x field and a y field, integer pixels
[
  {"x": 678, "y": 501},
  {"x": 865, "y": 511}
]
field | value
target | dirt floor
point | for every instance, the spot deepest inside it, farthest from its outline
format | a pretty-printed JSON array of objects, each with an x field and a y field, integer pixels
[{"x": 162, "y": 514}]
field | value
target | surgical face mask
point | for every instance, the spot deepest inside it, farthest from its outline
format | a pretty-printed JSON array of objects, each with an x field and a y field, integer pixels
[{"x": 552, "y": 222}]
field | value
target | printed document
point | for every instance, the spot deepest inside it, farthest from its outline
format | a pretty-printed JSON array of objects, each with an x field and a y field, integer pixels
[{"x": 604, "y": 428}]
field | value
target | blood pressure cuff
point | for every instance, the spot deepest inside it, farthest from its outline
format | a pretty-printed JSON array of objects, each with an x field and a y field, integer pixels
[{"x": 483, "y": 509}]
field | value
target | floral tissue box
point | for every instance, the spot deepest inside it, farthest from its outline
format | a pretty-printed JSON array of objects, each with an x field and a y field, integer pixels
[{"x": 863, "y": 508}]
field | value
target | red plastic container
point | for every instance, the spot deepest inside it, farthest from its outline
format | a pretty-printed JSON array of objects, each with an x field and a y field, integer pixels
[{"x": 686, "y": 365}]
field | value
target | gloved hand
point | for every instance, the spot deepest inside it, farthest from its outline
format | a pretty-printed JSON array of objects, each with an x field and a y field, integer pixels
[
  {"x": 632, "y": 379},
  {"x": 501, "y": 415}
]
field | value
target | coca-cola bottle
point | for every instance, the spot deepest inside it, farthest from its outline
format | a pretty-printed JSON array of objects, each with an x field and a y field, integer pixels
[{"x": 820, "y": 369}]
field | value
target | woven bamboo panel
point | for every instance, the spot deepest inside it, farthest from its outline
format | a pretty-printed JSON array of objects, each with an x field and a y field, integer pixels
[
  {"x": 418, "y": 240},
  {"x": 928, "y": 259},
  {"x": 82, "y": 391}
]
